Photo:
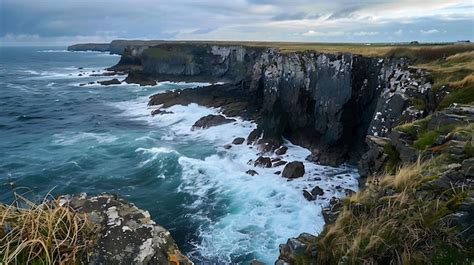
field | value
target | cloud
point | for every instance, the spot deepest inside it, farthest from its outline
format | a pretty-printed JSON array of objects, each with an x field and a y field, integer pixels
[
  {"x": 337, "y": 20},
  {"x": 312, "y": 33},
  {"x": 289, "y": 16},
  {"x": 430, "y": 31},
  {"x": 365, "y": 33}
]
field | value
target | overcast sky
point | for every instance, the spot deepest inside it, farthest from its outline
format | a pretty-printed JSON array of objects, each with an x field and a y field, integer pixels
[{"x": 71, "y": 21}]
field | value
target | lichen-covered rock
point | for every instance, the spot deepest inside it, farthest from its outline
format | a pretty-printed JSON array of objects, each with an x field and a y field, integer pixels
[{"x": 127, "y": 235}]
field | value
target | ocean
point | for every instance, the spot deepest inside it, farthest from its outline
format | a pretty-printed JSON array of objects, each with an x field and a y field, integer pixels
[{"x": 60, "y": 137}]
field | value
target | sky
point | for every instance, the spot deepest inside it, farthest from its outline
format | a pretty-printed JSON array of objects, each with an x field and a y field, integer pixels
[{"x": 64, "y": 22}]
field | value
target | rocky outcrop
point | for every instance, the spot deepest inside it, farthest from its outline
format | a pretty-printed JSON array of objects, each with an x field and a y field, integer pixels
[
  {"x": 98, "y": 47},
  {"x": 114, "y": 81},
  {"x": 210, "y": 121},
  {"x": 127, "y": 235},
  {"x": 328, "y": 103}
]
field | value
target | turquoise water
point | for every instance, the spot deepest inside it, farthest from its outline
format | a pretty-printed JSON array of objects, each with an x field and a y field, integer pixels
[{"x": 60, "y": 136}]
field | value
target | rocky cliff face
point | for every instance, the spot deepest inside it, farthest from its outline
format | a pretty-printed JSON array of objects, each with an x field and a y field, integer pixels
[
  {"x": 99, "y": 47},
  {"x": 326, "y": 102},
  {"x": 331, "y": 102}
]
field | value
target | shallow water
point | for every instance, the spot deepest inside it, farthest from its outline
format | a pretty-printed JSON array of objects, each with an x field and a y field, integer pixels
[{"x": 57, "y": 134}]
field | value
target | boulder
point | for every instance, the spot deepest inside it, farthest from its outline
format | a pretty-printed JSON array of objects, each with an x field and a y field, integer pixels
[
  {"x": 251, "y": 172},
  {"x": 114, "y": 81},
  {"x": 227, "y": 146},
  {"x": 210, "y": 121},
  {"x": 317, "y": 191},
  {"x": 263, "y": 162},
  {"x": 293, "y": 170},
  {"x": 281, "y": 151},
  {"x": 238, "y": 140}
]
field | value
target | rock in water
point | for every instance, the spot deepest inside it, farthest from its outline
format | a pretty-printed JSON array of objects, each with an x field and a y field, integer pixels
[
  {"x": 281, "y": 151},
  {"x": 239, "y": 140},
  {"x": 263, "y": 162},
  {"x": 317, "y": 191},
  {"x": 251, "y": 172},
  {"x": 127, "y": 235},
  {"x": 114, "y": 81},
  {"x": 293, "y": 170},
  {"x": 210, "y": 121}
]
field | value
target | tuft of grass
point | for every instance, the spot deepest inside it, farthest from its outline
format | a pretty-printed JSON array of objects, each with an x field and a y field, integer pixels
[
  {"x": 44, "y": 233},
  {"x": 426, "y": 139}
]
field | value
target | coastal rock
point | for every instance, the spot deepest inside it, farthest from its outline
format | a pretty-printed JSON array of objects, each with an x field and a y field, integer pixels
[
  {"x": 251, "y": 172},
  {"x": 239, "y": 140},
  {"x": 279, "y": 163},
  {"x": 294, "y": 247},
  {"x": 127, "y": 235},
  {"x": 293, "y": 170},
  {"x": 263, "y": 162},
  {"x": 160, "y": 112},
  {"x": 210, "y": 121},
  {"x": 281, "y": 151},
  {"x": 114, "y": 81}
]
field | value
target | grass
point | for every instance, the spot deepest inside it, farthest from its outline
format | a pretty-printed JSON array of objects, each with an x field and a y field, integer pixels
[
  {"x": 377, "y": 227},
  {"x": 168, "y": 54},
  {"x": 43, "y": 233}
]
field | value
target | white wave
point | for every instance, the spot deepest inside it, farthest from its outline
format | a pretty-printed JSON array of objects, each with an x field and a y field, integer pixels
[
  {"x": 72, "y": 138},
  {"x": 264, "y": 210},
  {"x": 55, "y": 51}
]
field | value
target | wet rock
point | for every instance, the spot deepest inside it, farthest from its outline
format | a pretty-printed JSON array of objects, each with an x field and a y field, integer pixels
[
  {"x": 254, "y": 136},
  {"x": 308, "y": 195},
  {"x": 210, "y": 121},
  {"x": 127, "y": 235},
  {"x": 227, "y": 146},
  {"x": 141, "y": 79},
  {"x": 114, "y": 81},
  {"x": 263, "y": 162},
  {"x": 293, "y": 170},
  {"x": 281, "y": 151},
  {"x": 251, "y": 172},
  {"x": 239, "y": 140},
  {"x": 160, "y": 112},
  {"x": 317, "y": 191},
  {"x": 82, "y": 84},
  {"x": 279, "y": 163},
  {"x": 277, "y": 172},
  {"x": 256, "y": 262},
  {"x": 79, "y": 75}
]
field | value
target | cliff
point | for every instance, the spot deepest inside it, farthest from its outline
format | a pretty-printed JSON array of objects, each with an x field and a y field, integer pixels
[
  {"x": 325, "y": 102},
  {"x": 99, "y": 47}
]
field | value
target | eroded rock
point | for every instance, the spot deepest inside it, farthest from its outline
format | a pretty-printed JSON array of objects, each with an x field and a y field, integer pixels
[{"x": 127, "y": 235}]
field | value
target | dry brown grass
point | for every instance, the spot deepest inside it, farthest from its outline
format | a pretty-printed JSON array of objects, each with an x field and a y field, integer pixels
[
  {"x": 44, "y": 233},
  {"x": 389, "y": 223}
]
